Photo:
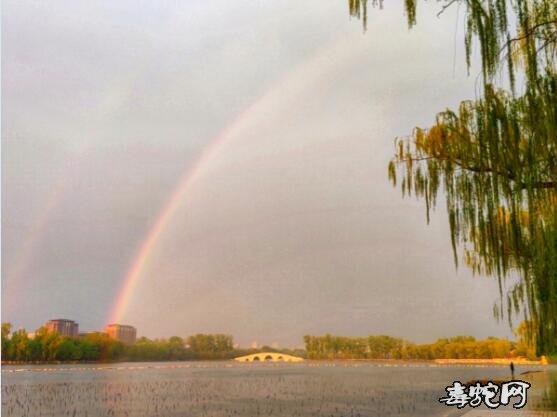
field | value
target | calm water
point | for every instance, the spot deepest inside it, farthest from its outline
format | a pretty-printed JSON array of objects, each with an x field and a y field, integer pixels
[{"x": 329, "y": 389}]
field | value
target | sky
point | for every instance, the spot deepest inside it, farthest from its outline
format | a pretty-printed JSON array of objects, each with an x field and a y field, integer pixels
[{"x": 267, "y": 127}]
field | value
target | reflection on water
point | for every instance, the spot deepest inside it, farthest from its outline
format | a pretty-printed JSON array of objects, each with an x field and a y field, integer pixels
[
  {"x": 245, "y": 390},
  {"x": 546, "y": 384}
]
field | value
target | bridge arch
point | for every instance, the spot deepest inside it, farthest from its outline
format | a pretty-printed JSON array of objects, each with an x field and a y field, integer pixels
[{"x": 268, "y": 357}]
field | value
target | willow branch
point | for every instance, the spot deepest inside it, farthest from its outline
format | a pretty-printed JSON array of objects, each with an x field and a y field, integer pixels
[{"x": 485, "y": 170}]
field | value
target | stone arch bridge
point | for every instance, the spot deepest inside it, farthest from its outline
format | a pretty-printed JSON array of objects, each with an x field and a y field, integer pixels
[{"x": 269, "y": 357}]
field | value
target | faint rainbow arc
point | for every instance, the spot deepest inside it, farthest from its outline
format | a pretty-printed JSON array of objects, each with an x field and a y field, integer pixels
[
  {"x": 134, "y": 271},
  {"x": 39, "y": 226},
  {"x": 17, "y": 273}
]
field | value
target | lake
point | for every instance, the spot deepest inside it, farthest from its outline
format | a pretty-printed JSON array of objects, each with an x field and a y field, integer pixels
[{"x": 331, "y": 389}]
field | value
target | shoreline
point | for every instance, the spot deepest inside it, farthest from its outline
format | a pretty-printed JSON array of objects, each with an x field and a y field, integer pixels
[
  {"x": 441, "y": 362},
  {"x": 493, "y": 361}
]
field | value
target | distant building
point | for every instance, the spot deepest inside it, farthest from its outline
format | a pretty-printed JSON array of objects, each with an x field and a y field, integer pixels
[
  {"x": 63, "y": 327},
  {"x": 121, "y": 332}
]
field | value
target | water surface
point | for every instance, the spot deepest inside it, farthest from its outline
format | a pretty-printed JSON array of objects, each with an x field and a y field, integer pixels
[{"x": 331, "y": 389}]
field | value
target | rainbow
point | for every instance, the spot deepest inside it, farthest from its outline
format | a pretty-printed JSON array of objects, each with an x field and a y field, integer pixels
[
  {"x": 165, "y": 215},
  {"x": 15, "y": 276},
  {"x": 25, "y": 254},
  {"x": 330, "y": 54}
]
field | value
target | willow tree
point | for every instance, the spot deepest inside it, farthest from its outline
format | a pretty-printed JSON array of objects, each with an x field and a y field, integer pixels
[{"x": 494, "y": 160}]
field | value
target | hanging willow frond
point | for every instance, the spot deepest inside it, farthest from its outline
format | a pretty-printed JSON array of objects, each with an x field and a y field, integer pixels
[
  {"x": 496, "y": 161},
  {"x": 496, "y": 157}
]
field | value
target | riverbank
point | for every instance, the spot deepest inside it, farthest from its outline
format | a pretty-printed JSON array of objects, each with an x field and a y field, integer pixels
[{"x": 493, "y": 361}]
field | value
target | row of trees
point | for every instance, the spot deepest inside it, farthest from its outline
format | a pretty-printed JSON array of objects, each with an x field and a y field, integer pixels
[
  {"x": 340, "y": 347},
  {"x": 199, "y": 346},
  {"x": 387, "y": 347},
  {"x": 46, "y": 346}
]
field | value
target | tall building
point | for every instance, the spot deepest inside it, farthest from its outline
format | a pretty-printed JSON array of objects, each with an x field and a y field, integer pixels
[
  {"x": 63, "y": 327},
  {"x": 122, "y": 332}
]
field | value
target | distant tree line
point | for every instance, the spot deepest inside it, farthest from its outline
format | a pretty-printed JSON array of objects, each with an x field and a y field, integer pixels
[
  {"x": 45, "y": 346},
  {"x": 196, "y": 347},
  {"x": 387, "y": 347}
]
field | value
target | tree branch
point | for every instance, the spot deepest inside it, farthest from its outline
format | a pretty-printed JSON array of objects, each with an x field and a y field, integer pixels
[
  {"x": 445, "y": 7},
  {"x": 530, "y": 32},
  {"x": 485, "y": 170}
]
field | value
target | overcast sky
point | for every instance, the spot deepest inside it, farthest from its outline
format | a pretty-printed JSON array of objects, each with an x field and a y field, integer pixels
[{"x": 291, "y": 226}]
